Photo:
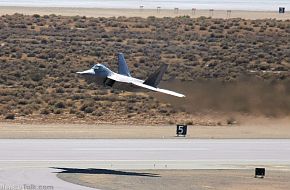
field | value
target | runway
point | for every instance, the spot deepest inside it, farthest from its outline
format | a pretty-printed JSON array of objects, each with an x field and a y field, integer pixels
[{"x": 35, "y": 161}]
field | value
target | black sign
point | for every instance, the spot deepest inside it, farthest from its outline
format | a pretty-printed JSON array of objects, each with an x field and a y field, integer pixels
[
  {"x": 281, "y": 9},
  {"x": 260, "y": 172},
  {"x": 181, "y": 130}
]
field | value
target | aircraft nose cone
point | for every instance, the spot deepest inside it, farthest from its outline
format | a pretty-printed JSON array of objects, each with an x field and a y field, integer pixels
[{"x": 87, "y": 72}]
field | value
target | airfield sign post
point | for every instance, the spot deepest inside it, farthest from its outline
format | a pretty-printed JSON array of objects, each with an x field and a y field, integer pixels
[
  {"x": 211, "y": 12},
  {"x": 158, "y": 9},
  {"x": 193, "y": 11},
  {"x": 229, "y": 13},
  {"x": 181, "y": 130},
  {"x": 281, "y": 10},
  {"x": 176, "y": 10},
  {"x": 141, "y": 8},
  {"x": 260, "y": 172}
]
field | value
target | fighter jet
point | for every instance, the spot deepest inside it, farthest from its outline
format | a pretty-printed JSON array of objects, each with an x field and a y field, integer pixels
[{"x": 103, "y": 75}]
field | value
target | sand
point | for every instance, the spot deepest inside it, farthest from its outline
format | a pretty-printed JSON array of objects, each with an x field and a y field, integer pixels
[
  {"x": 270, "y": 129},
  {"x": 177, "y": 179},
  {"x": 98, "y": 12}
]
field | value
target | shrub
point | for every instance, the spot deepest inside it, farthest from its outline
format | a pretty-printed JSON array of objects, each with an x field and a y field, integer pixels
[
  {"x": 89, "y": 110},
  {"x": 80, "y": 115},
  {"x": 10, "y": 116},
  {"x": 86, "y": 105},
  {"x": 60, "y": 90},
  {"x": 60, "y": 105},
  {"x": 231, "y": 121},
  {"x": 72, "y": 111},
  {"x": 57, "y": 111},
  {"x": 45, "y": 111},
  {"x": 36, "y": 76},
  {"x": 98, "y": 113},
  {"x": 202, "y": 28},
  {"x": 23, "y": 102},
  {"x": 189, "y": 122}
]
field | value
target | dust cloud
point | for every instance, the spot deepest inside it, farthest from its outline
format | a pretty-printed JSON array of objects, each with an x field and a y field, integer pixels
[{"x": 271, "y": 99}]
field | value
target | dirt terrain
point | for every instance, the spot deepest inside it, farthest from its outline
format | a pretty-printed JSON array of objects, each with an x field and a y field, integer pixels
[
  {"x": 250, "y": 128},
  {"x": 144, "y": 13},
  {"x": 177, "y": 179},
  {"x": 40, "y": 55}
]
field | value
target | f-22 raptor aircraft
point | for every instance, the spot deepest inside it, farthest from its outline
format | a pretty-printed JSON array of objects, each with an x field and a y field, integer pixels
[{"x": 101, "y": 74}]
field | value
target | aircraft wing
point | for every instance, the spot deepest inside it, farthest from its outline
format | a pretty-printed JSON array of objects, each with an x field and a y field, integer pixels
[{"x": 140, "y": 84}]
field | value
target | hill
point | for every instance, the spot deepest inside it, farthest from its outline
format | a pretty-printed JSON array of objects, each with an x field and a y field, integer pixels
[{"x": 40, "y": 55}]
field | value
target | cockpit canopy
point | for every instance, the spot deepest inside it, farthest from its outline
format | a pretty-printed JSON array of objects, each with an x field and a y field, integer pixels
[{"x": 100, "y": 68}]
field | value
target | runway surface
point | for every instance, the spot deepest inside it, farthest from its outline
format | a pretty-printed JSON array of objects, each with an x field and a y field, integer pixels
[{"x": 36, "y": 162}]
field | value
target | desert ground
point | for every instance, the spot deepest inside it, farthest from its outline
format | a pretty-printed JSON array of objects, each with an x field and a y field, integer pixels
[
  {"x": 144, "y": 13},
  {"x": 226, "y": 67},
  {"x": 251, "y": 128},
  {"x": 177, "y": 179}
]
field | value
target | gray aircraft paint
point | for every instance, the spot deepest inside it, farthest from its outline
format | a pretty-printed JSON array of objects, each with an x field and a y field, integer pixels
[{"x": 103, "y": 75}]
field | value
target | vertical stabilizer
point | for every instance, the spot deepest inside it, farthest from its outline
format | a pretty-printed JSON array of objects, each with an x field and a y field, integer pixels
[
  {"x": 122, "y": 65},
  {"x": 155, "y": 78}
]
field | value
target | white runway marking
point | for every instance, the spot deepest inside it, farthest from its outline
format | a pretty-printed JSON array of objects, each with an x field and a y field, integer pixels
[{"x": 141, "y": 149}]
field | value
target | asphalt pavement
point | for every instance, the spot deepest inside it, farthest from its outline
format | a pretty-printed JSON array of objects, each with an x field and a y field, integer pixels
[{"x": 37, "y": 161}]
